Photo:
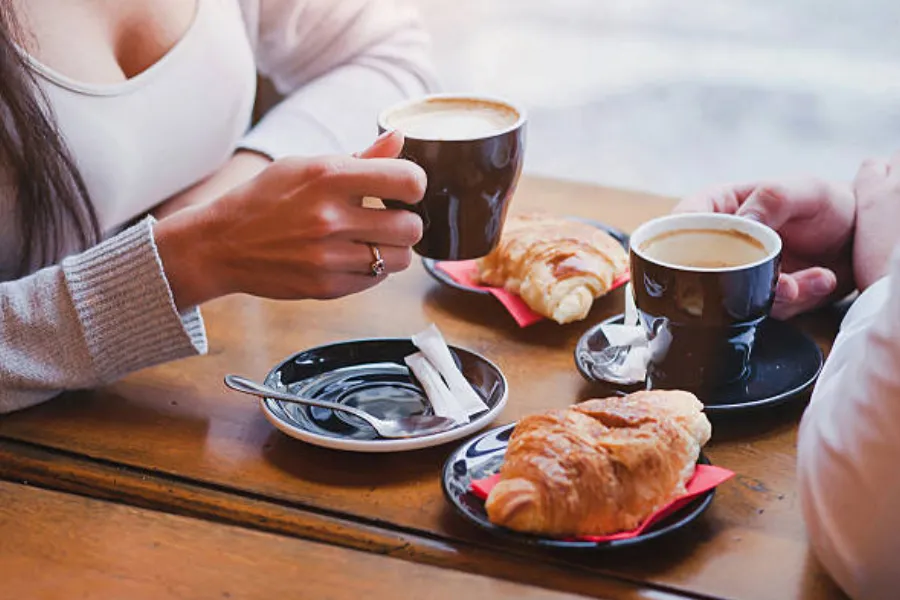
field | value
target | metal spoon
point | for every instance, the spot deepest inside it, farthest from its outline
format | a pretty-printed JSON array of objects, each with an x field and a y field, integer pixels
[{"x": 412, "y": 426}]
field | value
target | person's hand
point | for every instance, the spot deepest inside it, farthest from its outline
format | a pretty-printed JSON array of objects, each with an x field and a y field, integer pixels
[
  {"x": 877, "y": 190},
  {"x": 243, "y": 166},
  {"x": 816, "y": 222},
  {"x": 297, "y": 230}
]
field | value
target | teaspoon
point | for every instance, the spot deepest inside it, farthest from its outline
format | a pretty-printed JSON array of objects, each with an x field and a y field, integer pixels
[{"x": 406, "y": 427}]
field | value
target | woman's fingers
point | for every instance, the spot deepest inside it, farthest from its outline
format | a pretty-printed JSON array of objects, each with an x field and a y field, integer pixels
[
  {"x": 354, "y": 178},
  {"x": 304, "y": 217},
  {"x": 363, "y": 256},
  {"x": 382, "y": 226},
  {"x": 345, "y": 177},
  {"x": 335, "y": 257},
  {"x": 336, "y": 285},
  {"x": 387, "y": 145}
]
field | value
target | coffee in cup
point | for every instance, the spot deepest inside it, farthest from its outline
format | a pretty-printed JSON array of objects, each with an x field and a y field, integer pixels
[
  {"x": 702, "y": 284},
  {"x": 705, "y": 248},
  {"x": 471, "y": 149}
]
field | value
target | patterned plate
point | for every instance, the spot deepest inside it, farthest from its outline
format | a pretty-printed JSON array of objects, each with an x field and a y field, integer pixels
[
  {"x": 482, "y": 456},
  {"x": 370, "y": 374}
]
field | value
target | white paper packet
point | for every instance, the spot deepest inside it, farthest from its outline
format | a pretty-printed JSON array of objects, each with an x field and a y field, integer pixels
[
  {"x": 432, "y": 345},
  {"x": 631, "y": 337},
  {"x": 443, "y": 403}
]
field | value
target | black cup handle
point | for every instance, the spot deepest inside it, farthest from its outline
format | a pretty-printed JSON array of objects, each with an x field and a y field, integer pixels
[{"x": 398, "y": 204}]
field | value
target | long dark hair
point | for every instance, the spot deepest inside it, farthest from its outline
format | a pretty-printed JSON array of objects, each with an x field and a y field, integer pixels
[{"x": 51, "y": 195}]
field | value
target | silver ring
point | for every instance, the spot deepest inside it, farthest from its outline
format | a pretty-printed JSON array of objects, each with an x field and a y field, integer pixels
[{"x": 377, "y": 265}]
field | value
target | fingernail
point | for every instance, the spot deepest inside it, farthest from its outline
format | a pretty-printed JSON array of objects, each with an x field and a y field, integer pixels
[
  {"x": 388, "y": 133},
  {"x": 821, "y": 286}
]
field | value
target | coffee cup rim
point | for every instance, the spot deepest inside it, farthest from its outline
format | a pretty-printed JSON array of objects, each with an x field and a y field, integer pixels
[
  {"x": 382, "y": 116},
  {"x": 760, "y": 231}
]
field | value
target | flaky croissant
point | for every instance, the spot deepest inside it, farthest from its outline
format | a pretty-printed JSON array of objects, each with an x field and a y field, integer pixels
[
  {"x": 600, "y": 467},
  {"x": 557, "y": 266}
]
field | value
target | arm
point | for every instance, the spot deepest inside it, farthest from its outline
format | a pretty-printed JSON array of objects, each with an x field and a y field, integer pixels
[
  {"x": 96, "y": 317},
  {"x": 849, "y": 444},
  {"x": 338, "y": 64},
  {"x": 129, "y": 302}
]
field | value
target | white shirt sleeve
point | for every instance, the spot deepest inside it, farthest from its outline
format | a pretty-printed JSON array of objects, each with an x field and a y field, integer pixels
[
  {"x": 338, "y": 63},
  {"x": 849, "y": 445}
]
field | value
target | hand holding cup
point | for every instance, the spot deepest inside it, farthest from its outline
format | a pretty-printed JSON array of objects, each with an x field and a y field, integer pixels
[
  {"x": 815, "y": 220},
  {"x": 298, "y": 230}
]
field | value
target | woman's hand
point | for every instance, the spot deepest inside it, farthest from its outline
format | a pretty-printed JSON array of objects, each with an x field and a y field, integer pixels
[
  {"x": 816, "y": 222},
  {"x": 877, "y": 190},
  {"x": 244, "y": 165},
  {"x": 297, "y": 230}
]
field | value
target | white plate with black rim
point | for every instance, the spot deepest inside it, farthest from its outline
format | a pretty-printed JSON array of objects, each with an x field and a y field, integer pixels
[
  {"x": 370, "y": 374},
  {"x": 482, "y": 456}
]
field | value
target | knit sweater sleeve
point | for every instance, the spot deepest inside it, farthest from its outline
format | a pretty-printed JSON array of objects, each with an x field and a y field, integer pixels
[
  {"x": 94, "y": 318},
  {"x": 337, "y": 64}
]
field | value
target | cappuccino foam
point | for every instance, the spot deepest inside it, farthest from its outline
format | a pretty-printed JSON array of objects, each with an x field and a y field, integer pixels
[{"x": 452, "y": 119}]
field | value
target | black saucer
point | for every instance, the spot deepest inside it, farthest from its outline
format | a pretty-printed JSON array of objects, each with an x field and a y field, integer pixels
[
  {"x": 371, "y": 374},
  {"x": 431, "y": 265},
  {"x": 482, "y": 457},
  {"x": 785, "y": 362}
]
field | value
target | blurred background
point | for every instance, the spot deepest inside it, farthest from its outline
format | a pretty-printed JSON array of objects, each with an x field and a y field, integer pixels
[{"x": 671, "y": 97}]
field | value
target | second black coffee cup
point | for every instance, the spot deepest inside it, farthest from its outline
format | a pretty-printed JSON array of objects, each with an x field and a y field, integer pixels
[
  {"x": 472, "y": 149},
  {"x": 702, "y": 285}
]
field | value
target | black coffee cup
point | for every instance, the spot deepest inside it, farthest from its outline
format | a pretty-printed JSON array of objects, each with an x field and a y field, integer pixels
[
  {"x": 472, "y": 149},
  {"x": 702, "y": 284}
]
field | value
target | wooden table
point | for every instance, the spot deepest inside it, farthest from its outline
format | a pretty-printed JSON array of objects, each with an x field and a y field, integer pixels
[
  {"x": 173, "y": 438},
  {"x": 60, "y": 546}
]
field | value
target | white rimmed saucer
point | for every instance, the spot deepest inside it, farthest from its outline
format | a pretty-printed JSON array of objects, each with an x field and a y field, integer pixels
[{"x": 370, "y": 374}]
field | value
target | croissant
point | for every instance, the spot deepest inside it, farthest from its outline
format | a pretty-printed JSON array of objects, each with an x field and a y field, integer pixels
[
  {"x": 558, "y": 266},
  {"x": 600, "y": 467}
]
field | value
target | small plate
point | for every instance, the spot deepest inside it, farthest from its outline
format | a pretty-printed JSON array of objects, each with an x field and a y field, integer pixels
[
  {"x": 482, "y": 456},
  {"x": 784, "y": 363},
  {"x": 431, "y": 265},
  {"x": 371, "y": 375}
]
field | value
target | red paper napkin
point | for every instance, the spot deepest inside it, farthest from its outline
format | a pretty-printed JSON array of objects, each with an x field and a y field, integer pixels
[
  {"x": 705, "y": 478},
  {"x": 465, "y": 272}
]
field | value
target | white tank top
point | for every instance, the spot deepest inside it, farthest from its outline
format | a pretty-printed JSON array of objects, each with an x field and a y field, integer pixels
[{"x": 139, "y": 142}]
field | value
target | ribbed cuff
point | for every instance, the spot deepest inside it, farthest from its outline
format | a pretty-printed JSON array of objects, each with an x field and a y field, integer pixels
[{"x": 125, "y": 305}]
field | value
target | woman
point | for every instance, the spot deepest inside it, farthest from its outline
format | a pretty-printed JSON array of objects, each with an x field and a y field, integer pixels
[
  {"x": 837, "y": 239},
  {"x": 111, "y": 110}
]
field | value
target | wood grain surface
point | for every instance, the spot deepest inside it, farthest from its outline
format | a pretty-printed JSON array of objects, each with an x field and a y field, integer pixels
[
  {"x": 60, "y": 546},
  {"x": 179, "y": 422}
]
